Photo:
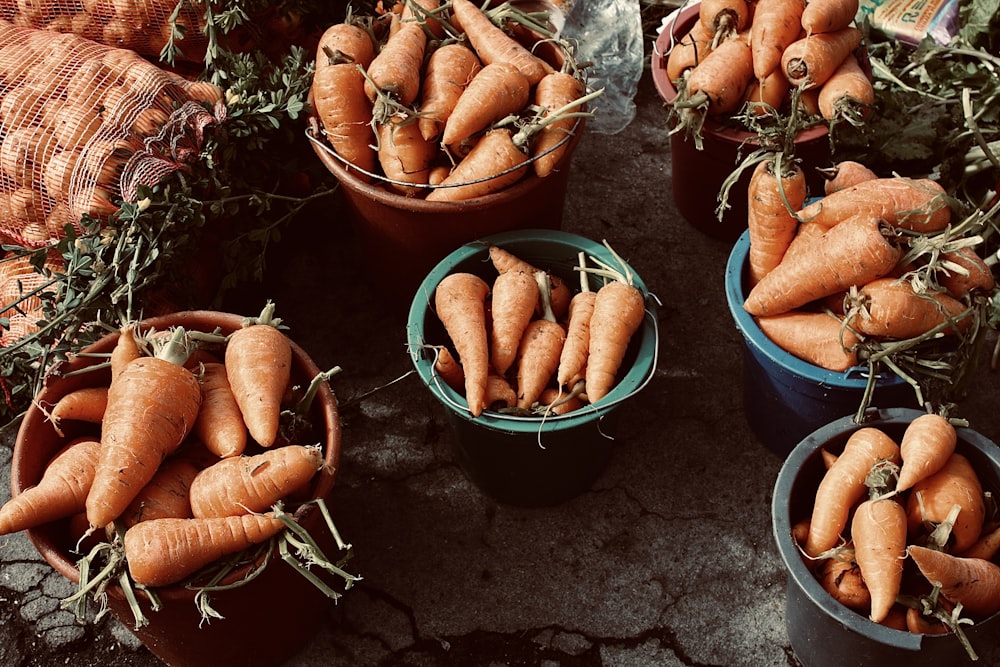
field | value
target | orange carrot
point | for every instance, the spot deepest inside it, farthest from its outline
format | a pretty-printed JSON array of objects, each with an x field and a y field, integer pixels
[
  {"x": 843, "y": 485},
  {"x": 243, "y": 484},
  {"x": 928, "y": 442},
  {"x": 771, "y": 206},
  {"x": 986, "y": 547},
  {"x": 404, "y": 154},
  {"x": 573, "y": 359},
  {"x": 460, "y": 304},
  {"x": 553, "y": 92},
  {"x": 60, "y": 493},
  {"x": 767, "y": 95},
  {"x": 841, "y": 577},
  {"x": 724, "y": 18},
  {"x": 258, "y": 365},
  {"x": 126, "y": 349},
  {"x": 776, "y": 24},
  {"x": 493, "y": 45},
  {"x": 919, "y": 205},
  {"x": 688, "y": 51},
  {"x": 845, "y": 174},
  {"x": 425, "y": 13},
  {"x": 152, "y": 407},
  {"x": 396, "y": 69},
  {"x": 515, "y": 294},
  {"x": 448, "y": 368},
  {"x": 854, "y": 252},
  {"x": 450, "y": 68},
  {"x": 619, "y": 309},
  {"x": 220, "y": 422},
  {"x": 539, "y": 351},
  {"x": 345, "y": 43},
  {"x": 85, "y": 404},
  {"x": 878, "y": 531},
  {"x": 890, "y": 308},
  {"x": 927, "y": 624},
  {"x": 559, "y": 292},
  {"x": 934, "y": 498},
  {"x": 495, "y": 92},
  {"x": 499, "y": 393},
  {"x": 809, "y": 61},
  {"x": 493, "y": 163},
  {"x": 848, "y": 94},
  {"x": 161, "y": 552},
  {"x": 166, "y": 495},
  {"x": 828, "y": 15},
  {"x": 977, "y": 275},
  {"x": 972, "y": 582},
  {"x": 345, "y": 113},
  {"x": 555, "y": 401},
  {"x": 720, "y": 81},
  {"x": 816, "y": 337}
]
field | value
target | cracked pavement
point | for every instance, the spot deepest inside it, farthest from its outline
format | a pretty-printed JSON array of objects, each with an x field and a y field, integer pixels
[{"x": 667, "y": 560}]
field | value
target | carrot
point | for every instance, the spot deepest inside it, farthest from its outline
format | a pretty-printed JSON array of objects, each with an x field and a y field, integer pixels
[
  {"x": 493, "y": 45},
  {"x": 345, "y": 113},
  {"x": 927, "y": 624},
  {"x": 555, "y": 401},
  {"x": 152, "y": 407},
  {"x": 499, "y": 393},
  {"x": 845, "y": 174},
  {"x": 85, "y": 404},
  {"x": 220, "y": 422},
  {"x": 972, "y": 582},
  {"x": 986, "y": 547},
  {"x": 933, "y": 498},
  {"x": 809, "y": 61},
  {"x": 495, "y": 92},
  {"x": 919, "y": 205},
  {"x": 724, "y": 18},
  {"x": 841, "y": 577},
  {"x": 425, "y": 13},
  {"x": 258, "y": 364},
  {"x": 878, "y": 531},
  {"x": 448, "y": 368},
  {"x": 161, "y": 552},
  {"x": 720, "y": 81},
  {"x": 243, "y": 484},
  {"x": 848, "y": 94},
  {"x": 688, "y": 51},
  {"x": 539, "y": 351},
  {"x": 60, "y": 493},
  {"x": 345, "y": 43},
  {"x": 843, "y": 485},
  {"x": 559, "y": 292},
  {"x": 166, "y": 495},
  {"x": 776, "y": 24},
  {"x": 771, "y": 206},
  {"x": 816, "y": 337},
  {"x": 896, "y": 618},
  {"x": 854, "y": 252},
  {"x": 493, "y": 163},
  {"x": 126, "y": 349},
  {"x": 963, "y": 272},
  {"x": 404, "y": 154},
  {"x": 828, "y": 15},
  {"x": 396, "y": 69},
  {"x": 515, "y": 294},
  {"x": 767, "y": 95},
  {"x": 573, "y": 358},
  {"x": 927, "y": 444},
  {"x": 552, "y": 93},
  {"x": 460, "y": 304},
  {"x": 890, "y": 308},
  {"x": 449, "y": 70},
  {"x": 619, "y": 309}
]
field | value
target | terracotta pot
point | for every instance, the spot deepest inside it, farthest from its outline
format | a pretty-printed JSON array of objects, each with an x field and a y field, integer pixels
[
  {"x": 266, "y": 620},
  {"x": 697, "y": 175},
  {"x": 822, "y": 631},
  {"x": 404, "y": 237}
]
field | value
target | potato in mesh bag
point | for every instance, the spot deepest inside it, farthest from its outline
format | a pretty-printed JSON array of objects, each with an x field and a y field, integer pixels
[{"x": 83, "y": 124}]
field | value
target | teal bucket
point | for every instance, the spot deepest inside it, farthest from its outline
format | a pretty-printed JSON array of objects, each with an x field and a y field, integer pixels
[
  {"x": 522, "y": 460},
  {"x": 785, "y": 398}
]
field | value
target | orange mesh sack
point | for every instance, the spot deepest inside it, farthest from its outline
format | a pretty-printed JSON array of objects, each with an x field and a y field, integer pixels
[
  {"x": 143, "y": 26},
  {"x": 83, "y": 124}
]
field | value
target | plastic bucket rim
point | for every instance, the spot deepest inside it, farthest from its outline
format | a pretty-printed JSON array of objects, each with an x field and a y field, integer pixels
[
  {"x": 781, "y": 524},
  {"x": 634, "y": 380},
  {"x": 756, "y": 338}
]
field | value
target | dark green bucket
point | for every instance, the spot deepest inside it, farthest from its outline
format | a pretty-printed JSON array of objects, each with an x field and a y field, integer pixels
[{"x": 529, "y": 461}]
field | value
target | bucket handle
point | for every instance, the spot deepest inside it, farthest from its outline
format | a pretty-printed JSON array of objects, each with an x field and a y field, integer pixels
[{"x": 600, "y": 407}]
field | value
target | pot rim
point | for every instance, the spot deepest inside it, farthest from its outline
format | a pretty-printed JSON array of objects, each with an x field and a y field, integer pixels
[{"x": 629, "y": 384}]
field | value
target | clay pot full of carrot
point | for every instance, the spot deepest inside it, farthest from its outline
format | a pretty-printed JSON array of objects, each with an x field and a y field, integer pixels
[
  {"x": 119, "y": 465},
  {"x": 890, "y": 537}
]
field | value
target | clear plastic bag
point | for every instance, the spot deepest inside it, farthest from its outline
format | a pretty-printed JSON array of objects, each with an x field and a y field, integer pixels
[{"x": 608, "y": 33}]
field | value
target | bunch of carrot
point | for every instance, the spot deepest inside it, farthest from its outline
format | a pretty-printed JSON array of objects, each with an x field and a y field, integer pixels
[
  {"x": 774, "y": 57},
  {"x": 447, "y": 101},
  {"x": 904, "y": 532},
  {"x": 525, "y": 343},
  {"x": 181, "y": 454},
  {"x": 874, "y": 262}
]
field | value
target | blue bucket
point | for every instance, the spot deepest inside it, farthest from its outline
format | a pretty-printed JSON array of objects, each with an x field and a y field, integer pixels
[{"x": 785, "y": 398}]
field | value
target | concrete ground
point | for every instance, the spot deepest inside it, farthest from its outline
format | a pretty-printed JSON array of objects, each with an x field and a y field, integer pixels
[{"x": 668, "y": 559}]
